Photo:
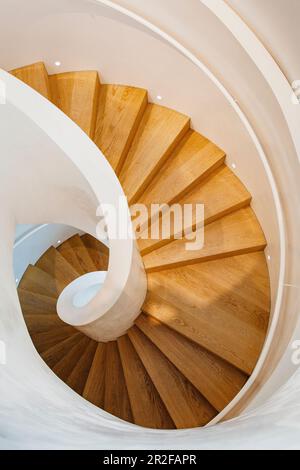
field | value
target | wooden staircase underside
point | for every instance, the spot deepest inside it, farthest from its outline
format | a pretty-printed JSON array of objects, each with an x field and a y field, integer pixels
[{"x": 206, "y": 314}]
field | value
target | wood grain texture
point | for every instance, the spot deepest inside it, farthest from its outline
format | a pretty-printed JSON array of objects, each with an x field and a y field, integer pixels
[
  {"x": 53, "y": 263},
  {"x": 83, "y": 257},
  {"x": 159, "y": 132},
  {"x": 37, "y": 281},
  {"x": 95, "y": 385},
  {"x": 236, "y": 233},
  {"x": 97, "y": 250},
  {"x": 78, "y": 377},
  {"x": 66, "y": 250},
  {"x": 76, "y": 94},
  {"x": 221, "y": 194},
  {"x": 69, "y": 360},
  {"x": 58, "y": 349},
  {"x": 32, "y": 303},
  {"x": 120, "y": 111},
  {"x": 147, "y": 407},
  {"x": 45, "y": 341},
  {"x": 116, "y": 400},
  {"x": 184, "y": 403},
  {"x": 215, "y": 379},
  {"x": 40, "y": 323},
  {"x": 222, "y": 305},
  {"x": 36, "y": 76},
  {"x": 194, "y": 159}
]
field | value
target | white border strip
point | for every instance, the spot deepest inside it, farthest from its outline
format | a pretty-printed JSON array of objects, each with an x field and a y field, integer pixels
[{"x": 213, "y": 5}]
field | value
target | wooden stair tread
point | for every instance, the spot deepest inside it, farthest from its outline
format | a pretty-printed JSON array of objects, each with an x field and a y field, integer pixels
[
  {"x": 53, "y": 263},
  {"x": 97, "y": 250},
  {"x": 120, "y": 110},
  {"x": 184, "y": 403},
  {"x": 83, "y": 256},
  {"x": 36, "y": 76},
  {"x": 76, "y": 94},
  {"x": 221, "y": 194},
  {"x": 37, "y": 281},
  {"x": 116, "y": 400},
  {"x": 48, "y": 339},
  {"x": 147, "y": 407},
  {"x": 159, "y": 132},
  {"x": 77, "y": 379},
  {"x": 222, "y": 305},
  {"x": 32, "y": 303},
  {"x": 94, "y": 388},
  {"x": 67, "y": 251},
  {"x": 59, "y": 349},
  {"x": 217, "y": 380},
  {"x": 194, "y": 159},
  {"x": 41, "y": 323},
  {"x": 69, "y": 360},
  {"x": 236, "y": 233}
]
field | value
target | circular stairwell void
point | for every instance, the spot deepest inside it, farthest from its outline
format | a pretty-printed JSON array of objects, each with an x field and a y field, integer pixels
[
  {"x": 83, "y": 289},
  {"x": 206, "y": 314}
]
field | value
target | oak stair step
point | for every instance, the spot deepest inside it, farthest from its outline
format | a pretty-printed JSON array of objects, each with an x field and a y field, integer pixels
[
  {"x": 53, "y": 263},
  {"x": 120, "y": 111},
  {"x": 147, "y": 407},
  {"x": 217, "y": 380},
  {"x": 37, "y": 281},
  {"x": 116, "y": 400},
  {"x": 77, "y": 94},
  {"x": 233, "y": 234},
  {"x": 222, "y": 305},
  {"x": 74, "y": 250},
  {"x": 32, "y": 303},
  {"x": 58, "y": 350},
  {"x": 41, "y": 323},
  {"x": 193, "y": 160},
  {"x": 51, "y": 338},
  {"x": 97, "y": 250},
  {"x": 160, "y": 130},
  {"x": 64, "y": 367},
  {"x": 221, "y": 193},
  {"x": 78, "y": 377},
  {"x": 35, "y": 76},
  {"x": 94, "y": 388}
]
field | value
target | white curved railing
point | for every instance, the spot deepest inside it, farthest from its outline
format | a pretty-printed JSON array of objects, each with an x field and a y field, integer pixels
[{"x": 112, "y": 311}]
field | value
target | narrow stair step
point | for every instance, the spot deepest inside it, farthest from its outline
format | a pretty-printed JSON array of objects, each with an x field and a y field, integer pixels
[
  {"x": 160, "y": 130},
  {"x": 147, "y": 407},
  {"x": 184, "y": 403},
  {"x": 77, "y": 94},
  {"x": 52, "y": 355},
  {"x": 221, "y": 194},
  {"x": 53, "y": 263},
  {"x": 67, "y": 251},
  {"x": 45, "y": 341},
  {"x": 83, "y": 255},
  {"x": 37, "y": 281},
  {"x": 97, "y": 250},
  {"x": 217, "y": 380},
  {"x": 94, "y": 388},
  {"x": 78, "y": 377},
  {"x": 116, "y": 400},
  {"x": 222, "y": 305},
  {"x": 233, "y": 234},
  {"x": 193, "y": 160},
  {"x": 36, "y": 76},
  {"x": 120, "y": 111},
  {"x": 69, "y": 360},
  {"x": 42, "y": 323},
  {"x": 32, "y": 303}
]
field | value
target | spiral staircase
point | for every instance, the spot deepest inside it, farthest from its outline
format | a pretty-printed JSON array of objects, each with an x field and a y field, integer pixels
[{"x": 206, "y": 313}]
